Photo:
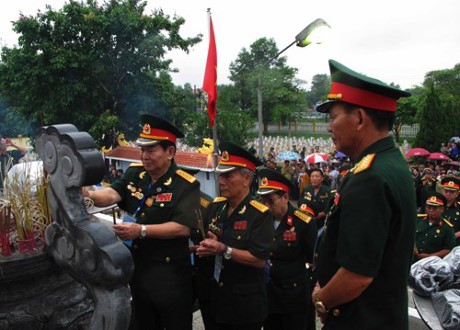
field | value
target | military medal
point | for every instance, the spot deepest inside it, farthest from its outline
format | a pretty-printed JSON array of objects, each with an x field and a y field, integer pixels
[
  {"x": 149, "y": 201},
  {"x": 240, "y": 225},
  {"x": 290, "y": 221},
  {"x": 164, "y": 197}
]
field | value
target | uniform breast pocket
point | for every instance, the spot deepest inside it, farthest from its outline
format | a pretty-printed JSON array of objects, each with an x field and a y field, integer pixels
[
  {"x": 239, "y": 238},
  {"x": 159, "y": 212}
]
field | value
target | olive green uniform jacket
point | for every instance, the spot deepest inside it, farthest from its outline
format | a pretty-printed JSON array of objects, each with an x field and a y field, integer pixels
[
  {"x": 320, "y": 201},
  {"x": 435, "y": 237},
  {"x": 162, "y": 280},
  {"x": 370, "y": 231},
  {"x": 291, "y": 249},
  {"x": 240, "y": 293},
  {"x": 452, "y": 214}
]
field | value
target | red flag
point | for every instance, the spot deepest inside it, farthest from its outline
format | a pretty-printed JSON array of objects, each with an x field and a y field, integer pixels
[{"x": 210, "y": 75}]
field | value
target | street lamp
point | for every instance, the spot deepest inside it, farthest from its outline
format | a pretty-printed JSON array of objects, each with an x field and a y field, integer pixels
[{"x": 312, "y": 34}]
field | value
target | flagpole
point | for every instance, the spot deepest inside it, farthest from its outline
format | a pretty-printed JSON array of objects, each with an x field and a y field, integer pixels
[{"x": 215, "y": 155}]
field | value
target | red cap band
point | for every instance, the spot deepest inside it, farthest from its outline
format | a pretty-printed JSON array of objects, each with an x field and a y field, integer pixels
[
  {"x": 350, "y": 94},
  {"x": 157, "y": 134},
  {"x": 238, "y": 161},
  {"x": 271, "y": 184},
  {"x": 433, "y": 200},
  {"x": 451, "y": 185}
]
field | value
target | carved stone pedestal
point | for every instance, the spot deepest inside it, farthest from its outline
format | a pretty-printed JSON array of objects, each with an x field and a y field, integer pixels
[{"x": 36, "y": 294}]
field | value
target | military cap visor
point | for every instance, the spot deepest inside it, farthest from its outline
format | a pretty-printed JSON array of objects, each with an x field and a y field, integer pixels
[
  {"x": 155, "y": 130},
  {"x": 234, "y": 157},
  {"x": 355, "y": 88},
  {"x": 272, "y": 181}
]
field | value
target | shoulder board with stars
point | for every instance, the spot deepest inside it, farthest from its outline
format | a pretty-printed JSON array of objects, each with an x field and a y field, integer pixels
[
  {"x": 204, "y": 202},
  {"x": 447, "y": 221},
  {"x": 219, "y": 199},
  {"x": 302, "y": 216},
  {"x": 136, "y": 165},
  {"x": 364, "y": 164},
  {"x": 184, "y": 175},
  {"x": 258, "y": 206}
]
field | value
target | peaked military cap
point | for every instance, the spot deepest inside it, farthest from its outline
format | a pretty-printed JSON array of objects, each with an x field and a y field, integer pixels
[
  {"x": 355, "y": 88},
  {"x": 436, "y": 199},
  {"x": 234, "y": 157},
  {"x": 155, "y": 130},
  {"x": 451, "y": 183},
  {"x": 272, "y": 181}
]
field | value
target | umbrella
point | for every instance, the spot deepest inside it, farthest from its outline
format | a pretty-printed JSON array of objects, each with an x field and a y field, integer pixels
[
  {"x": 316, "y": 158},
  {"x": 438, "y": 156},
  {"x": 287, "y": 155},
  {"x": 417, "y": 152},
  {"x": 340, "y": 155}
]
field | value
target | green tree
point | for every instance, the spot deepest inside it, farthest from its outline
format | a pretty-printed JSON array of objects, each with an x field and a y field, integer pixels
[
  {"x": 277, "y": 81},
  {"x": 320, "y": 86},
  {"x": 233, "y": 124},
  {"x": 87, "y": 63},
  {"x": 436, "y": 124}
]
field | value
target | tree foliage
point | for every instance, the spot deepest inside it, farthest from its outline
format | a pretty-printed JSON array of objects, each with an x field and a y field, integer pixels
[
  {"x": 439, "y": 115},
  {"x": 259, "y": 67},
  {"x": 92, "y": 65}
]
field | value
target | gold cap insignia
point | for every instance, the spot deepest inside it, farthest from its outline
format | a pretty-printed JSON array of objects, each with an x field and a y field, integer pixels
[
  {"x": 335, "y": 96},
  {"x": 264, "y": 182},
  {"x": 225, "y": 156},
  {"x": 146, "y": 129}
]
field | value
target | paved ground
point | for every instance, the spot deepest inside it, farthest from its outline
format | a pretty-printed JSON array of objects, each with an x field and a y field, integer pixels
[{"x": 415, "y": 323}]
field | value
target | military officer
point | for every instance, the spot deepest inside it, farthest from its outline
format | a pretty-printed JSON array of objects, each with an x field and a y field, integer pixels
[
  {"x": 240, "y": 234},
  {"x": 434, "y": 235},
  {"x": 291, "y": 250},
  {"x": 365, "y": 252},
  {"x": 451, "y": 186},
  {"x": 316, "y": 193},
  {"x": 160, "y": 201}
]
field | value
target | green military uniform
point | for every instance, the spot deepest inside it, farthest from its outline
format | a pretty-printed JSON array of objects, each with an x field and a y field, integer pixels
[
  {"x": 162, "y": 280},
  {"x": 240, "y": 293},
  {"x": 452, "y": 214},
  {"x": 203, "y": 282},
  {"x": 435, "y": 237},
  {"x": 375, "y": 204},
  {"x": 289, "y": 287},
  {"x": 318, "y": 201}
]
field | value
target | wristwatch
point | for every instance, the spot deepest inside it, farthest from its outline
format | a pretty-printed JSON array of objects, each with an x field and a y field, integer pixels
[
  {"x": 143, "y": 231},
  {"x": 228, "y": 253},
  {"x": 319, "y": 306}
]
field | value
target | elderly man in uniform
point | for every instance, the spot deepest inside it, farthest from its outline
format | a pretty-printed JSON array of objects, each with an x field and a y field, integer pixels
[
  {"x": 318, "y": 194},
  {"x": 434, "y": 235},
  {"x": 451, "y": 186},
  {"x": 240, "y": 234},
  {"x": 161, "y": 201},
  {"x": 366, "y": 250},
  {"x": 291, "y": 250}
]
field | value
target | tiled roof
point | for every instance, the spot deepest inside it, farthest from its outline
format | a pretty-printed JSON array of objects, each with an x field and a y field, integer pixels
[{"x": 193, "y": 160}]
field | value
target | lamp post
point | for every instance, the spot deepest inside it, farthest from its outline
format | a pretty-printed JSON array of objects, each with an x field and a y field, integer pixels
[{"x": 309, "y": 35}]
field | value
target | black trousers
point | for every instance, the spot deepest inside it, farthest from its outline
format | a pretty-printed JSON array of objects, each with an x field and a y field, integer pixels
[{"x": 162, "y": 295}]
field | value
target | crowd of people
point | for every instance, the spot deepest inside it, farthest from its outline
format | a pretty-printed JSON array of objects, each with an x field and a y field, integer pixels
[{"x": 332, "y": 241}]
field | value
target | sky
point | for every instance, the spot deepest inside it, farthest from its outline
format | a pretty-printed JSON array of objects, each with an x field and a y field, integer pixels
[{"x": 396, "y": 41}]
